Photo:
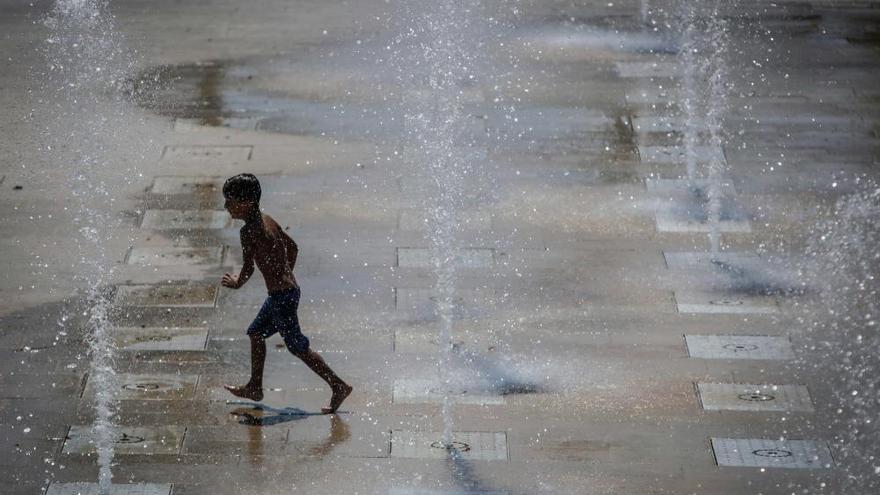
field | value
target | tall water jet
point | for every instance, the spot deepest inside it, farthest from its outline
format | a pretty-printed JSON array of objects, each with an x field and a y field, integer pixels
[
  {"x": 437, "y": 70},
  {"x": 715, "y": 114},
  {"x": 81, "y": 111}
]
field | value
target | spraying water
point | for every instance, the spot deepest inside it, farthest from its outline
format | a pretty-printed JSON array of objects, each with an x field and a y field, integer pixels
[
  {"x": 86, "y": 67},
  {"x": 437, "y": 72},
  {"x": 704, "y": 98}
]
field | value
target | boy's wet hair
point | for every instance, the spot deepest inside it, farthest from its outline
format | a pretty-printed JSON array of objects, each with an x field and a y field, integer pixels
[{"x": 243, "y": 187}]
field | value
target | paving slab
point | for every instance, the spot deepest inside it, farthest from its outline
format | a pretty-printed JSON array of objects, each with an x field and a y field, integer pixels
[
  {"x": 432, "y": 391},
  {"x": 207, "y": 153},
  {"x": 465, "y": 258},
  {"x": 174, "y": 256},
  {"x": 151, "y": 387},
  {"x": 713, "y": 302}
]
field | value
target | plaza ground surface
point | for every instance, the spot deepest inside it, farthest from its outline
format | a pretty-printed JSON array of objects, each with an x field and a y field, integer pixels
[{"x": 599, "y": 351}]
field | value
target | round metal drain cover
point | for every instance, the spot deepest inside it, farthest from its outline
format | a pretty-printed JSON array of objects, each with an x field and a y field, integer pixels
[
  {"x": 126, "y": 438},
  {"x": 774, "y": 453},
  {"x": 740, "y": 347},
  {"x": 145, "y": 387},
  {"x": 458, "y": 446},
  {"x": 726, "y": 302},
  {"x": 756, "y": 397}
]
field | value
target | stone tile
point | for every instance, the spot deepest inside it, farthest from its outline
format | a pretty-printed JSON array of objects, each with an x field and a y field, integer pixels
[
  {"x": 171, "y": 296},
  {"x": 129, "y": 440},
  {"x": 717, "y": 302},
  {"x": 419, "y": 341},
  {"x": 169, "y": 256},
  {"x": 204, "y": 153},
  {"x": 739, "y": 347},
  {"x": 423, "y": 391},
  {"x": 465, "y": 258},
  {"x": 748, "y": 397},
  {"x": 160, "y": 338},
  {"x": 452, "y": 491},
  {"x": 182, "y": 184},
  {"x": 186, "y": 219},
  {"x": 151, "y": 387},
  {"x": 755, "y": 452},
  {"x": 92, "y": 489},
  {"x": 471, "y": 446}
]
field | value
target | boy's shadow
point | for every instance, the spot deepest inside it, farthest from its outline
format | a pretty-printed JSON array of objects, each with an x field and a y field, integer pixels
[{"x": 254, "y": 415}]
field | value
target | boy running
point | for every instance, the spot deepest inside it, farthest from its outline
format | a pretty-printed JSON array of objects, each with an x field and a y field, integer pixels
[{"x": 265, "y": 244}]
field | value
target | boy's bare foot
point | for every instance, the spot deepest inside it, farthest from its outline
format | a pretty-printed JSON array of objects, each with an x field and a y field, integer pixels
[
  {"x": 339, "y": 395},
  {"x": 246, "y": 392}
]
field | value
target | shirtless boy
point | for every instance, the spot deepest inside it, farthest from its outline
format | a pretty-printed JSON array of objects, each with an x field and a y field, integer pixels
[{"x": 265, "y": 244}]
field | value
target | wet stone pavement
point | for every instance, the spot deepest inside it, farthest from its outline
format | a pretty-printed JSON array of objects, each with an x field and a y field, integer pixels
[{"x": 597, "y": 350}]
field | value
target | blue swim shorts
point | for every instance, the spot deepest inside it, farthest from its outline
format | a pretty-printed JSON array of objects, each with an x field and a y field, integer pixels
[{"x": 278, "y": 314}]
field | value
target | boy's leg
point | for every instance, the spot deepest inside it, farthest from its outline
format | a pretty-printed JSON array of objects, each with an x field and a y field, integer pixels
[
  {"x": 254, "y": 388},
  {"x": 316, "y": 363}
]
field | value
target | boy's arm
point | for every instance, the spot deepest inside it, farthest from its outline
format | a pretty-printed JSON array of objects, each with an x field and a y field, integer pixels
[
  {"x": 290, "y": 249},
  {"x": 236, "y": 281}
]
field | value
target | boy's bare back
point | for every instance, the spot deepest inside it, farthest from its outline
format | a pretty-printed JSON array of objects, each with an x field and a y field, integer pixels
[{"x": 273, "y": 251}]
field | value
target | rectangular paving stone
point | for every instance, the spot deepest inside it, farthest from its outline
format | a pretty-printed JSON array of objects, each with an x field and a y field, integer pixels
[
  {"x": 151, "y": 387},
  {"x": 673, "y": 155},
  {"x": 657, "y": 123},
  {"x": 757, "y": 452},
  {"x": 160, "y": 338},
  {"x": 122, "y": 489},
  {"x": 472, "y": 446},
  {"x": 750, "y": 397},
  {"x": 186, "y": 184},
  {"x": 129, "y": 440},
  {"x": 724, "y": 303},
  {"x": 185, "y": 219},
  {"x": 669, "y": 221},
  {"x": 424, "y": 391},
  {"x": 226, "y": 153},
  {"x": 171, "y": 296},
  {"x": 170, "y": 255},
  {"x": 465, "y": 258},
  {"x": 652, "y": 68},
  {"x": 738, "y": 347}
]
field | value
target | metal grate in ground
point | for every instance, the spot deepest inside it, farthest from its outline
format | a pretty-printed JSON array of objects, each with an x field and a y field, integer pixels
[
  {"x": 749, "y": 397},
  {"x": 129, "y": 440},
  {"x": 167, "y": 256},
  {"x": 160, "y": 338},
  {"x": 185, "y": 219},
  {"x": 179, "y": 184},
  {"x": 756, "y": 452},
  {"x": 465, "y": 258},
  {"x": 151, "y": 386},
  {"x": 92, "y": 489},
  {"x": 201, "y": 153},
  {"x": 172, "y": 296},
  {"x": 422, "y": 391},
  {"x": 738, "y": 347},
  {"x": 472, "y": 446},
  {"x": 712, "y": 302}
]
